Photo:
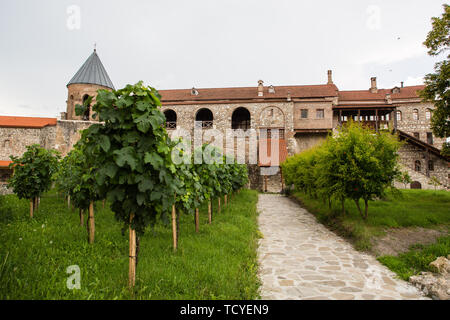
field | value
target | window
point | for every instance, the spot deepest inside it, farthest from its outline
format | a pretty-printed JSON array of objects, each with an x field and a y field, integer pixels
[
  {"x": 204, "y": 119},
  {"x": 428, "y": 114},
  {"x": 415, "y": 114},
  {"x": 417, "y": 166},
  {"x": 268, "y": 133},
  {"x": 304, "y": 113},
  {"x": 399, "y": 116},
  {"x": 416, "y": 135},
  {"x": 429, "y": 137},
  {"x": 171, "y": 119},
  {"x": 430, "y": 165},
  {"x": 240, "y": 119},
  {"x": 320, "y": 114}
]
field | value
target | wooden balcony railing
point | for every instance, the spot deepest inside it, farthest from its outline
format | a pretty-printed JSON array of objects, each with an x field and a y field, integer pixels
[{"x": 171, "y": 125}]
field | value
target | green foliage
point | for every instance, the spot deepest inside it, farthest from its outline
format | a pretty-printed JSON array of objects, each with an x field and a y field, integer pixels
[
  {"x": 434, "y": 182},
  {"x": 404, "y": 178},
  {"x": 33, "y": 172},
  {"x": 220, "y": 262},
  {"x": 437, "y": 85},
  {"x": 355, "y": 164}
]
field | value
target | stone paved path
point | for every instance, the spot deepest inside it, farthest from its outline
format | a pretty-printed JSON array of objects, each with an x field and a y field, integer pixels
[{"x": 299, "y": 258}]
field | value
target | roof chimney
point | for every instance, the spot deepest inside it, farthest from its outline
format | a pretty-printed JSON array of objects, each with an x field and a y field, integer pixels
[
  {"x": 260, "y": 88},
  {"x": 401, "y": 84},
  {"x": 330, "y": 79},
  {"x": 373, "y": 85}
]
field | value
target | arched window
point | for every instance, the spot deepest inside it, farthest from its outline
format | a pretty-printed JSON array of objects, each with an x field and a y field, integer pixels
[
  {"x": 417, "y": 166},
  {"x": 240, "y": 119},
  {"x": 430, "y": 165},
  {"x": 7, "y": 143},
  {"x": 204, "y": 119},
  {"x": 415, "y": 114},
  {"x": 399, "y": 116},
  {"x": 428, "y": 114},
  {"x": 171, "y": 119},
  {"x": 87, "y": 113},
  {"x": 416, "y": 185}
]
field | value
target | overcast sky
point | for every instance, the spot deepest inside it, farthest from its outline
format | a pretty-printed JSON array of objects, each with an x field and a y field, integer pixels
[{"x": 208, "y": 43}]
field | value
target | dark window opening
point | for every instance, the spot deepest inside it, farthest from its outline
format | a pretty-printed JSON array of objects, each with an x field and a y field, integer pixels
[
  {"x": 417, "y": 166},
  {"x": 429, "y": 137},
  {"x": 304, "y": 113},
  {"x": 416, "y": 185},
  {"x": 416, "y": 135},
  {"x": 240, "y": 119},
  {"x": 204, "y": 119},
  {"x": 430, "y": 165},
  {"x": 171, "y": 119},
  {"x": 87, "y": 113}
]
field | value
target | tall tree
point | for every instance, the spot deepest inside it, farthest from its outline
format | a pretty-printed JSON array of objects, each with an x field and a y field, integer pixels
[{"x": 437, "y": 84}]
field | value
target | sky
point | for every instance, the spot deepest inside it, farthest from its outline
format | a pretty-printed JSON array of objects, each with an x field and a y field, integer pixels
[{"x": 173, "y": 44}]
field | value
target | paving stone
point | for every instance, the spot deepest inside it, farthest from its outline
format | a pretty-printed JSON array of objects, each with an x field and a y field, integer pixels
[{"x": 301, "y": 259}]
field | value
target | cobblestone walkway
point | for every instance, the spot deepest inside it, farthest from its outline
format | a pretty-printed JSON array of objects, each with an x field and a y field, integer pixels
[{"x": 299, "y": 258}]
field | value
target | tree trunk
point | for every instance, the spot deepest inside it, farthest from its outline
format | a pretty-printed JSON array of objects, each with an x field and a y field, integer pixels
[
  {"x": 81, "y": 217},
  {"x": 174, "y": 228},
  {"x": 359, "y": 208},
  {"x": 132, "y": 255},
  {"x": 68, "y": 202},
  {"x": 196, "y": 220},
  {"x": 218, "y": 205},
  {"x": 138, "y": 247},
  {"x": 225, "y": 200},
  {"x": 91, "y": 223},
  {"x": 366, "y": 209},
  {"x": 209, "y": 212},
  {"x": 31, "y": 208}
]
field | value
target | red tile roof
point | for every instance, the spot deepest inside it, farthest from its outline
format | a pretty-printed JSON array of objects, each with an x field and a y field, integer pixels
[
  {"x": 26, "y": 122},
  {"x": 248, "y": 93},
  {"x": 4, "y": 164},
  {"x": 357, "y": 95}
]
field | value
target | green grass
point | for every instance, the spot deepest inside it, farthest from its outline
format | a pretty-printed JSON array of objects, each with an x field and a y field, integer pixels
[
  {"x": 218, "y": 263},
  {"x": 408, "y": 208},
  {"x": 417, "y": 259}
]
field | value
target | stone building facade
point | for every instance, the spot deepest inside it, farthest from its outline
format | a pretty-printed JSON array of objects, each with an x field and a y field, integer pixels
[{"x": 295, "y": 117}]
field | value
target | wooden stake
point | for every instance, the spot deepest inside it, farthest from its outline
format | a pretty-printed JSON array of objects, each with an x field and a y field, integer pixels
[
  {"x": 209, "y": 212},
  {"x": 196, "y": 220},
  {"x": 31, "y": 208},
  {"x": 132, "y": 255},
  {"x": 68, "y": 201},
  {"x": 103, "y": 203},
  {"x": 218, "y": 206},
  {"x": 91, "y": 222},
  {"x": 225, "y": 200},
  {"x": 174, "y": 228}
]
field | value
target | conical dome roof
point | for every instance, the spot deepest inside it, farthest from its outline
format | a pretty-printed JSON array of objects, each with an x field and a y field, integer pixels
[{"x": 92, "y": 72}]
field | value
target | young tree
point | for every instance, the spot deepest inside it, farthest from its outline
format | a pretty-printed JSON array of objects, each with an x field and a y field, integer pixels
[
  {"x": 133, "y": 152},
  {"x": 404, "y": 178},
  {"x": 437, "y": 84},
  {"x": 434, "y": 182},
  {"x": 33, "y": 173}
]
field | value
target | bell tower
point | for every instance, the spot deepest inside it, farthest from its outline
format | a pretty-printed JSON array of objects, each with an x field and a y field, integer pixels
[{"x": 91, "y": 77}]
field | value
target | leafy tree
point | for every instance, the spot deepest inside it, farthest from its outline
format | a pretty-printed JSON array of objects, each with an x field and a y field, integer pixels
[
  {"x": 434, "y": 182},
  {"x": 437, "y": 84},
  {"x": 133, "y": 152},
  {"x": 33, "y": 173},
  {"x": 404, "y": 178}
]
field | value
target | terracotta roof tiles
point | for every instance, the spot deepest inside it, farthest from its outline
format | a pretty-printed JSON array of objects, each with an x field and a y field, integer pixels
[{"x": 26, "y": 122}]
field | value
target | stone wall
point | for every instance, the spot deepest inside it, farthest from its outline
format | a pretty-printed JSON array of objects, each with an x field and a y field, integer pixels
[
  {"x": 421, "y": 126},
  {"x": 304, "y": 141},
  {"x": 13, "y": 141},
  {"x": 408, "y": 154},
  {"x": 67, "y": 134}
]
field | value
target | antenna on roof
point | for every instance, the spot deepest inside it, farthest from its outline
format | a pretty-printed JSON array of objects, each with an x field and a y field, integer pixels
[{"x": 95, "y": 46}]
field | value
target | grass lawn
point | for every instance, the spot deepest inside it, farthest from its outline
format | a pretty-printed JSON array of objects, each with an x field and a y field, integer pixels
[
  {"x": 218, "y": 263},
  {"x": 410, "y": 208},
  {"x": 417, "y": 259}
]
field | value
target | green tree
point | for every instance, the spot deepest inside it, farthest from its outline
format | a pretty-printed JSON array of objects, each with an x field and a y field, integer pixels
[
  {"x": 33, "y": 173},
  {"x": 434, "y": 182},
  {"x": 133, "y": 153},
  {"x": 404, "y": 178},
  {"x": 437, "y": 84}
]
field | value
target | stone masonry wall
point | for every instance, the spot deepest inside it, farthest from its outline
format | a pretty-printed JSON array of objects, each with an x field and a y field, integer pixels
[{"x": 422, "y": 125}]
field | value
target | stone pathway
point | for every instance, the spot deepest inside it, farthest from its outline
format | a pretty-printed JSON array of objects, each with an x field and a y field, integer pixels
[{"x": 300, "y": 258}]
